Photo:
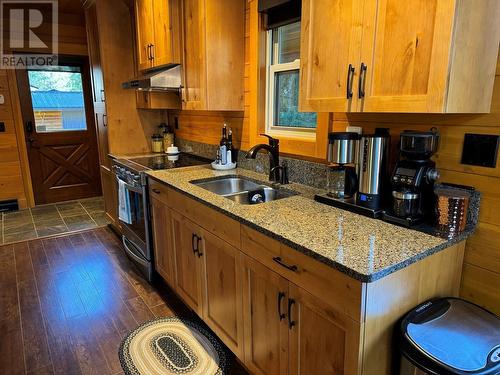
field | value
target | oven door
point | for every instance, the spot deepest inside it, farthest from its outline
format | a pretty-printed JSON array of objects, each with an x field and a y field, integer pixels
[{"x": 136, "y": 231}]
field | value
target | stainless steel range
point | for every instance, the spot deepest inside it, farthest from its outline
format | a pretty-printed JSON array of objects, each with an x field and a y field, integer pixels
[{"x": 136, "y": 226}]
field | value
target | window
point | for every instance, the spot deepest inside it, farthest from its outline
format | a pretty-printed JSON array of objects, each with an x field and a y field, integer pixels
[
  {"x": 57, "y": 99},
  {"x": 282, "y": 83}
]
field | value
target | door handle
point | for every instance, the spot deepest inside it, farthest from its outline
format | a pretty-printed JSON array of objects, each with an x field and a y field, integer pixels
[
  {"x": 103, "y": 98},
  {"x": 291, "y": 323},
  {"x": 29, "y": 127},
  {"x": 105, "y": 119},
  {"x": 153, "y": 49},
  {"x": 293, "y": 267},
  {"x": 193, "y": 238},
  {"x": 362, "y": 79},
  {"x": 198, "y": 239},
  {"x": 149, "y": 51},
  {"x": 350, "y": 79},
  {"x": 281, "y": 295}
]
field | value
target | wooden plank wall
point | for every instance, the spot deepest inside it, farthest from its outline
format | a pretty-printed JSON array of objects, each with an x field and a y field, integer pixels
[
  {"x": 11, "y": 177},
  {"x": 15, "y": 180},
  {"x": 481, "y": 276}
]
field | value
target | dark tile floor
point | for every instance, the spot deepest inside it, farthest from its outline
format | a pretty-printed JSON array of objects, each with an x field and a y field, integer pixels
[{"x": 52, "y": 219}]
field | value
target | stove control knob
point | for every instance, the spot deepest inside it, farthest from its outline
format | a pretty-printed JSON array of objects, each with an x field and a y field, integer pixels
[{"x": 432, "y": 175}]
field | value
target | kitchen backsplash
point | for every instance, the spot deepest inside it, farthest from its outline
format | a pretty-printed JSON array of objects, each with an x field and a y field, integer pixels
[{"x": 300, "y": 171}]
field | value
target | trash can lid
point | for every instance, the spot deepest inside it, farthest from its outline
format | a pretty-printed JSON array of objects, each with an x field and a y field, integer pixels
[{"x": 452, "y": 336}]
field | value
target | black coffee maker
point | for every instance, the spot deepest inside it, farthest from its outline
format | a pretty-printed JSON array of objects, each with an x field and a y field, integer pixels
[{"x": 412, "y": 182}]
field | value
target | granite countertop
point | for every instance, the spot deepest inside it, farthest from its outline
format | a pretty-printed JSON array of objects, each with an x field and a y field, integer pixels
[{"x": 363, "y": 248}]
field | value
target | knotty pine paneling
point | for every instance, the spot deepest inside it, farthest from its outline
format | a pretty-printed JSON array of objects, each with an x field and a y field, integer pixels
[
  {"x": 481, "y": 276},
  {"x": 11, "y": 179}
]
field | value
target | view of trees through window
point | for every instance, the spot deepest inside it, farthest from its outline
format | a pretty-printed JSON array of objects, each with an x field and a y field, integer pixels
[{"x": 57, "y": 98}]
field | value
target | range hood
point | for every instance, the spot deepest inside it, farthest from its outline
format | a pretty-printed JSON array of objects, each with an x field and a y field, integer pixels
[{"x": 162, "y": 78}]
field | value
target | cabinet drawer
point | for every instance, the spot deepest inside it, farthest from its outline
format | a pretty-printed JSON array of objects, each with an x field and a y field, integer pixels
[
  {"x": 206, "y": 217},
  {"x": 157, "y": 190},
  {"x": 331, "y": 286}
]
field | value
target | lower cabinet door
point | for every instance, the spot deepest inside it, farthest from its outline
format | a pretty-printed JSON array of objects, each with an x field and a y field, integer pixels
[
  {"x": 187, "y": 241},
  {"x": 222, "y": 291},
  {"x": 322, "y": 340},
  {"x": 265, "y": 296},
  {"x": 164, "y": 253}
]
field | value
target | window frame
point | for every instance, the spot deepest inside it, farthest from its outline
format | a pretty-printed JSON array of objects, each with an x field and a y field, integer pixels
[{"x": 272, "y": 54}]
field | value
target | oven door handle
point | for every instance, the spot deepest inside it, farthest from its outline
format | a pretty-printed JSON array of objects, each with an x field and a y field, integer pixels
[
  {"x": 130, "y": 251},
  {"x": 135, "y": 189}
]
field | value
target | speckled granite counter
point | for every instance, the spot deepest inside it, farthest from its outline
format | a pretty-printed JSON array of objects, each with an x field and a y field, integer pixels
[{"x": 365, "y": 249}]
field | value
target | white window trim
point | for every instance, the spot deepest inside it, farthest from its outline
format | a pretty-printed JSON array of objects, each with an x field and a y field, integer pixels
[{"x": 271, "y": 71}]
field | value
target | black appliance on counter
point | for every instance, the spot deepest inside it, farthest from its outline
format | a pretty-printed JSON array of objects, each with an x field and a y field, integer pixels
[
  {"x": 137, "y": 235},
  {"x": 413, "y": 198}
]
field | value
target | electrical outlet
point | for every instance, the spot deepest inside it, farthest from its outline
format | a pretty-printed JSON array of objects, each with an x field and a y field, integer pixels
[
  {"x": 176, "y": 122},
  {"x": 480, "y": 150},
  {"x": 2, "y": 127}
]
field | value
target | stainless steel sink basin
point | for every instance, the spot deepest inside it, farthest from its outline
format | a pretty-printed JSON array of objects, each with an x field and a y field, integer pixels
[
  {"x": 242, "y": 190},
  {"x": 226, "y": 186}
]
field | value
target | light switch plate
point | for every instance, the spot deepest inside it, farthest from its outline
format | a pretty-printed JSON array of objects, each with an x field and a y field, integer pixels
[{"x": 2, "y": 99}]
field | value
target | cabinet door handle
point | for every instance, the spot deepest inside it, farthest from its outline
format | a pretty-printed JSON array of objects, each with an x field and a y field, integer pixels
[
  {"x": 104, "y": 120},
  {"x": 103, "y": 97},
  {"x": 350, "y": 79},
  {"x": 282, "y": 316},
  {"x": 362, "y": 79},
  {"x": 149, "y": 51},
  {"x": 193, "y": 239},
  {"x": 156, "y": 191},
  {"x": 198, "y": 239},
  {"x": 153, "y": 49},
  {"x": 283, "y": 264},
  {"x": 291, "y": 323}
]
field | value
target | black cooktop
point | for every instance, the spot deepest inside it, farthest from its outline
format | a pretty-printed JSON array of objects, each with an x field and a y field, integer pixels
[{"x": 163, "y": 161}]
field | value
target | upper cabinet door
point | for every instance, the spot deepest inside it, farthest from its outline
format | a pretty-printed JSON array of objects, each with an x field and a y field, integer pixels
[
  {"x": 405, "y": 55},
  {"x": 145, "y": 32},
  {"x": 329, "y": 54},
  {"x": 166, "y": 45},
  {"x": 194, "y": 65}
]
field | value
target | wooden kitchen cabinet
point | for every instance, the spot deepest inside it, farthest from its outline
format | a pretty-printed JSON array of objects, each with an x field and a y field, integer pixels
[
  {"x": 110, "y": 195},
  {"x": 322, "y": 341},
  {"x": 157, "y": 32},
  {"x": 435, "y": 56},
  {"x": 214, "y": 54},
  {"x": 265, "y": 316},
  {"x": 163, "y": 240},
  {"x": 188, "y": 283},
  {"x": 329, "y": 51},
  {"x": 222, "y": 290}
]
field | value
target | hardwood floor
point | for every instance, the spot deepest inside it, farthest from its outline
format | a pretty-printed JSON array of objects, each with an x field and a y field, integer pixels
[{"x": 67, "y": 302}]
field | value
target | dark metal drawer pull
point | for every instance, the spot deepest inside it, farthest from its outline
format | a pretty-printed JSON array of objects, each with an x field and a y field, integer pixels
[
  {"x": 156, "y": 191},
  {"x": 281, "y": 295},
  {"x": 291, "y": 323},
  {"x": 281, "y": 263}
]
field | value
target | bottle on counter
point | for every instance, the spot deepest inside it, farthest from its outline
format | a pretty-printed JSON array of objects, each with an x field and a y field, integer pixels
[
  {"x": 223, "y": 145},
  {"x": 156, "y": 143},
  {"x": 230, "y": 147}
]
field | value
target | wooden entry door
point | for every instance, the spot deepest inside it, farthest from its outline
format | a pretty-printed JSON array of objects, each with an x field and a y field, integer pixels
[{"x": 60, "y": 132}]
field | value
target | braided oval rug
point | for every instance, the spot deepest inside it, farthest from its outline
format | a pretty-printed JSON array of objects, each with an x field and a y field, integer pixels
[{"x": 172, "y": 346}]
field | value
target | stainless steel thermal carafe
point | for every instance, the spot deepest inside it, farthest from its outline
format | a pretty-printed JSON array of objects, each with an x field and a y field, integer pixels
[{"x": 372, "y": 170}]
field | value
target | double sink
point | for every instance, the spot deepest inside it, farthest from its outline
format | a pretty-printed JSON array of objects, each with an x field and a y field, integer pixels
[{"x": 243, "y": 190}]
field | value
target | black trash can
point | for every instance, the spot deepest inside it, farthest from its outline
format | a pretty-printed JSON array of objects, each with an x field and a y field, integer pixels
[{"x": 449, "y": 336}]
